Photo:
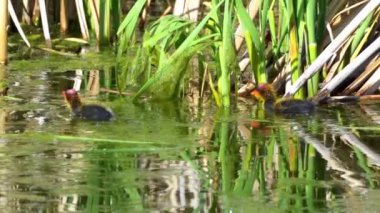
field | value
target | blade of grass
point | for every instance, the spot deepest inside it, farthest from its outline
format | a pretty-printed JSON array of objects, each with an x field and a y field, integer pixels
[
  {"x": 77, "y": 138},
  {"x": 257, "y": 49},
  {"x": 128, "y": 26}
]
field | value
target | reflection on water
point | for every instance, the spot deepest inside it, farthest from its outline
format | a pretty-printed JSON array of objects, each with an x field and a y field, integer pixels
[{"x": 178, "y": 156}]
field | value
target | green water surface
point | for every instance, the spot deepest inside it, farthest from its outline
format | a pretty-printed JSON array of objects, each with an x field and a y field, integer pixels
[{"x": 178, "y": 156}]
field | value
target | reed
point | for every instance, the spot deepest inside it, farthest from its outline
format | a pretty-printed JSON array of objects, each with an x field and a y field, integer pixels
[
  {"x": 3, "y": 32},
  {"x": 226, "y": 56},
  {"x": 64, "y": 18},
  {"x": 311, "y": 13},
  {"x": 45, "y": 23},
  {"x": 290, "y": 33}
]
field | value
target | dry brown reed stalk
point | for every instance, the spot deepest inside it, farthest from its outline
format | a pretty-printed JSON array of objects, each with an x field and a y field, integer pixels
[
  {"x": 82, "y": 20},
  {"x": 13, "y": 15},
  {"x": 3, "y": 32},
  {"x": 144, "y": 14},
  {"x": 330, "y": 50},
  {"x": 94, "y": 7},
  {"x": 26, "y": 13},
  {"x": 371, "y": 85},
  {"x": 368, "y": 71},
  {"x": 36, "y": 12},
  {"x": 334, "y": 66},
  {"x": 187, "y": 8},
  {"x": 168, "y": 8},
  {"x": 64, "y": 18},
  {"x": 45, "y": 24}
]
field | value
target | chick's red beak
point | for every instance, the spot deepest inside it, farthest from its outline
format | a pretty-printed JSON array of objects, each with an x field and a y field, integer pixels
[
  {"x": 257, "y": 95},
  {"x": 64, "y": 94},
  {"x": 70, "y": 94}
]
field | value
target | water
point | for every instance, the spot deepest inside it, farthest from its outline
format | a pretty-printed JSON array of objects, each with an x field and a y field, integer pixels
[{"x": 180, "y": 156}]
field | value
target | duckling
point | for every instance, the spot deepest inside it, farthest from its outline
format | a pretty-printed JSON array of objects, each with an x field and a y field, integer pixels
[
  {"x": 264, "y": 93},
  {"x": 90, "y": 112}
]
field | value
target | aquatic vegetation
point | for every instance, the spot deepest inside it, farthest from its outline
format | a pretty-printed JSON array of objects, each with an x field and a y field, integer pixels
[
  {"x": 189, "y": 155},
  {"x": 285, "y": 43},
  {"x": 214, "y": 159},
  {"x": 281, "y": 39}
]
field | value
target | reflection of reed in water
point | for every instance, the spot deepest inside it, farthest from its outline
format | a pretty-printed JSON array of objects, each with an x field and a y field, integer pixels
[
  {"x": 173, "y": 185},
  {"x": 332, "y": 160},
  {"x": 283, "y": 162}
]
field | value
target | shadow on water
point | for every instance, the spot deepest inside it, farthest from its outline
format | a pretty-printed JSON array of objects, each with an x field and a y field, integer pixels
[{"x": 179, "y": 156}]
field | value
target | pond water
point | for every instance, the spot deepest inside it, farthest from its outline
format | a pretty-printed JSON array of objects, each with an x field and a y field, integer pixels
[{"x": 179, "y": 156}]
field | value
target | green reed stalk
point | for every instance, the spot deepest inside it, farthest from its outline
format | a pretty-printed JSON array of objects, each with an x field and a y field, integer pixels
[
  {"x": 270, "y": 150},
  {"x": 225, "y": 156},
  {"x": 321, "y": 20},
  {"x": 363, "y": 163},
  {"x": 134, "y": 199},
  {"x": 367, "y": 33},
  {"x": 226, "y": 55},
  {"x": 93, "y": 13},
  {"x": 104, "y": 22},
  {"x": 295, "y": 37},
  {"x": 284, "y": 23},
  {"x": 264, "y": 10},
  {"x": 261, "y": 177},
  {"x": 116, "y": 14},
  {"x": 272, "y": 29},
  {"x": 283, "y": 175},
  {"x": 359, "y": 34},
  {"x": 311, "y": 9},
  {"x": 301, "y": 168},
  {"x": 299, "y": 14},
  {"x": 216, "y": 13},
  {"x": 244, "y": 183},
  {"x": 107, "y": 77},
  {"x": 294, "y": 58},
  {"x": 310, "y": 176},
  {"x": 93, "y": 199}
]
